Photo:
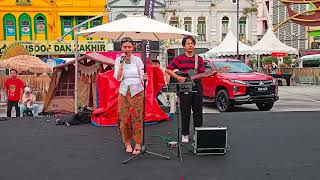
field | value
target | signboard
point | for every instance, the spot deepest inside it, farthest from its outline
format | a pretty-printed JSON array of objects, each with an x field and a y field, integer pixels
[
  {"x": 10, "y": 28},
  {"x": 40, "y": 26},
  {"x": 23, "y": 2},
  {"x": 25, "y": 29},
  {"x": 279, "y": 54},
  {"x": 154, "y": 46},
  {"x": 56, "y": 48}
]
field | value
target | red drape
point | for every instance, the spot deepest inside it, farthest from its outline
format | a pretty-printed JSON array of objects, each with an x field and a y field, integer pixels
[{"x": 108, "y": 88}]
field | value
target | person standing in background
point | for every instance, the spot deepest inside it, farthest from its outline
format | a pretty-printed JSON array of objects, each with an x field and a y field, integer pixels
[{"x": 14, "y": 89}]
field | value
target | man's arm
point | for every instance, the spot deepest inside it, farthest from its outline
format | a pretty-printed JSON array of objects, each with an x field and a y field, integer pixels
[
  {"x": 33, "y": 99},
  {"x": 172, "y": 66}
]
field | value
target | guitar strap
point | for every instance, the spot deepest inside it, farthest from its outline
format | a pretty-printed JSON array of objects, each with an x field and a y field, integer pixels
[{"x": 196, "y": 63}]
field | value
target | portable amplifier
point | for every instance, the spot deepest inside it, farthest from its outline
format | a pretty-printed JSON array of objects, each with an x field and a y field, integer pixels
[{"x": 210, "y": 140}]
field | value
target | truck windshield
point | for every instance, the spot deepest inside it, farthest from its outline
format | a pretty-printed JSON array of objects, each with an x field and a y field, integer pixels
[{"x": 232, "y": 67}]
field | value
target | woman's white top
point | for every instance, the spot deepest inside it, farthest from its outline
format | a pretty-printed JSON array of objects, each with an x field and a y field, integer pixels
[{"x": 132, "y": 76}]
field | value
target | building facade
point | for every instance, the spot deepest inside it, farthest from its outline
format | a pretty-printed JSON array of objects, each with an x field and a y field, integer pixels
[
  {"x": 122, "y": 8},
  {"x": 291, "y": 34},
  {"x": 37, "y": 24},
  {"x": 211, "y": 20},
  {"x": 264, "y": 16}
]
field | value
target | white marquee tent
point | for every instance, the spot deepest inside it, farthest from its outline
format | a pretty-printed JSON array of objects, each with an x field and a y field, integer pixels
[
  {"x": 270, "y": 43},
  {"x": 228, "y": 47}
]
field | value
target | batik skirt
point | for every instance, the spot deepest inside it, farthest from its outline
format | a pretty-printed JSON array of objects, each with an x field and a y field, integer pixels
[{"x": 130, "y": 114}]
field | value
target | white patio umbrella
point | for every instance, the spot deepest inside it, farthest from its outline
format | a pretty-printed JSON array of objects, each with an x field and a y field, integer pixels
[{"x": 136, "y": 27}]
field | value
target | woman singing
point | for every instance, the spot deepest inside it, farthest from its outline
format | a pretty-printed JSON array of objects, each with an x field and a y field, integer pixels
[{"x": 129, "y": 70}]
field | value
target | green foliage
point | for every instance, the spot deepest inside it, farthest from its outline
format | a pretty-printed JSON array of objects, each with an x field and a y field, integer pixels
[
  {"x": 254, "y": 61},
  {"x": 287, "y": 60},
  {"x": 250, "y": 10},
  {"x": 269, "y": 60}
]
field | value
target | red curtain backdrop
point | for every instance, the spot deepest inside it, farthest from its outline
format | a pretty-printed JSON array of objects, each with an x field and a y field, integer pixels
[{"x": 108, "y": 88}]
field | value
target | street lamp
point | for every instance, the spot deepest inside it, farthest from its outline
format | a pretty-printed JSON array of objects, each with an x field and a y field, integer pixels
[
  {"x": 76, "y": 53},
  {"x": 238, "y": 29}
]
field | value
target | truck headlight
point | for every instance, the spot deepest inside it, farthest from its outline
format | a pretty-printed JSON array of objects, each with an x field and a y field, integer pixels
[{"x": 237, "y": 81}]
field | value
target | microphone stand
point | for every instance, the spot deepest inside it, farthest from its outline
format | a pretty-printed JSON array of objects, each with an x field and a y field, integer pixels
[{"x": 143, "y": 147}]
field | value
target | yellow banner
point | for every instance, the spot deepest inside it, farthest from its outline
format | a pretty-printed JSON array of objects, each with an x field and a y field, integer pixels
[{"x": 57, "y": 48}]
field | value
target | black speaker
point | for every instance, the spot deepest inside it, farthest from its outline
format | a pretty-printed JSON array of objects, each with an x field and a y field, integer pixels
[{"x": 210, "y": 140}]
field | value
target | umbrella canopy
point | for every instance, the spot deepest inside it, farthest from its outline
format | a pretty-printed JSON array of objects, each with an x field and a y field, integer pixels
[
  {"x": 270, "y": 43},
  {"x": 228, "y": 47},
  {"x": 26, "y": 63},
  {"x": 136, "y": 27}
]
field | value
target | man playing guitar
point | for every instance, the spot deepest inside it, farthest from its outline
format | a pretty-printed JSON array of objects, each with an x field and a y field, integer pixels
[{"x": 184, "y": 63}]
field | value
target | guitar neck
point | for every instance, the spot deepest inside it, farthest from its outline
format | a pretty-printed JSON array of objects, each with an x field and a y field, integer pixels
[{"x": 200, "y": 75}]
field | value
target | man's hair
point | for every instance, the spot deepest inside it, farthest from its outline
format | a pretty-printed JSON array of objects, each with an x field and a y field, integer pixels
[
  {"x": 14, "y": 70},
  {"x": 126, "y": 39},
  {"x": 184, "y": 40}
]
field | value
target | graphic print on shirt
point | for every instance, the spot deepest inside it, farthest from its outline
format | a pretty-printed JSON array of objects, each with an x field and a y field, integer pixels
[{"x": 12, "y": 90}]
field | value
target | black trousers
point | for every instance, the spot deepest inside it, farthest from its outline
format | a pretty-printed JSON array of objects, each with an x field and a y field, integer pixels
[
  {"x": 194, "y": 101},
  {"x": 9, "y": 108}
]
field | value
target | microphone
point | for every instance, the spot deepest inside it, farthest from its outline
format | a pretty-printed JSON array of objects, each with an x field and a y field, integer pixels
[
  {"x": 122, "y": 59},
  {"x": 123, "y": 56}
]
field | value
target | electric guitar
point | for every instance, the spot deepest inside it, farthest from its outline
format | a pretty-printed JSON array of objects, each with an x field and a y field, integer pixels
[{"x": 191, "y": 75}]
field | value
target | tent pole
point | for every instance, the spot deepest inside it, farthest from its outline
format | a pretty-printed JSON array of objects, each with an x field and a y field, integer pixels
[
  {"x": 259, "y": 70},
  {"x": 76, "y": 55}
]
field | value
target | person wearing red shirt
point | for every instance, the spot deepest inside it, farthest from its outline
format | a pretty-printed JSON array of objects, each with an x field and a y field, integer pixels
[
  {"x": 14, "y": 89},
  {"x": 192, "y": 100}
]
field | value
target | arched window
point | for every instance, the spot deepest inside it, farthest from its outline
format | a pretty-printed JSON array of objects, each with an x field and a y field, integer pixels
[
  {"x": 242, "y": 28},
  {"x": 120, "y": 16},
  {"x": 40, "y": 25},
  {"x": 25, "y": 27},
  {"x": 66, "y": 26},
  {"x": 225, "y": 24},
  {"x": 9, "y": 24}
]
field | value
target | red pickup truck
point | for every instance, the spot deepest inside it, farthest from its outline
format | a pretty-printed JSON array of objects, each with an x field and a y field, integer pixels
[{"x": 236, "y": 84}]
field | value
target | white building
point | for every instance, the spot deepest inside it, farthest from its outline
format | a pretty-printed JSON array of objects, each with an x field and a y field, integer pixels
[
  {"x": 210, "y": 19},
  {"x": 123, "y": 8},
  {"x": 264, "y": 16}
]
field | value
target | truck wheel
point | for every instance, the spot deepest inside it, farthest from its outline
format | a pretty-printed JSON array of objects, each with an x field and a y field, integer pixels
[
  {"x": 222, "y": 101},
  {"x": 266, "y": 106}
]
